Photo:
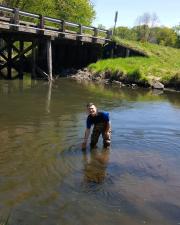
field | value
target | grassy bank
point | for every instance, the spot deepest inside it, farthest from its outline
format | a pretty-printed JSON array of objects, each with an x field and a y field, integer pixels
[{"x": 161, "y": 63}]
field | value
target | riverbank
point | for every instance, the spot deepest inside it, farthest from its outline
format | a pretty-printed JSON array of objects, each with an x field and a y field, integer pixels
[
  {"x": 159, "y": 69},
  {"x": 86, "y": 75}
]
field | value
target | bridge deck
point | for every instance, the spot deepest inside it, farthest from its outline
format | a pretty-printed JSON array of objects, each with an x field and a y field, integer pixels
[{"x": 15, "y": 21}]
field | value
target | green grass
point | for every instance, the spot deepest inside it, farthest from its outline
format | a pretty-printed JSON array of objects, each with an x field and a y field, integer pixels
[{"x": 162, "y": 63}]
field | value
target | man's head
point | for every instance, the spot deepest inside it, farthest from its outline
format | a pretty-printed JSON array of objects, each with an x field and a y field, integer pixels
[{"x": 92, "y": 110}]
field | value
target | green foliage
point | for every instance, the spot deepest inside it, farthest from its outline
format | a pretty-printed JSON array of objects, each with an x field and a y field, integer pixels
[
  {"x": 101, "y": 26},
  {"x": 177, "y": 31},
  {"x": 166, "y": 36},
  {"x": 43, "y": 7},
  {"x": 125, "y": 33},
  {"x": 159, "y": 35},
  {"x": 146, "y": 30},
  {"x": 79, "y": 11},
  {"x": 143, "y": 33}
]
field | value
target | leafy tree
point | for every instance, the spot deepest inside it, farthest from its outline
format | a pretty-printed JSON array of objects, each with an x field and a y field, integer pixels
[
  {"x": 80, "y": 11},
  {"x": 101, "y": 26},
  {"x": 21, "y": 4},
  {"x": 166, "y": 36},
  {"x": 125, "y": 33},
  {"x": 144, "y": 25},
  {"x": 177, "y": 30}
]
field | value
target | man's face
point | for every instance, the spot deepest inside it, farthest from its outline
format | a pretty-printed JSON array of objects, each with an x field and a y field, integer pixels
[{"x": 92, "y": 110}]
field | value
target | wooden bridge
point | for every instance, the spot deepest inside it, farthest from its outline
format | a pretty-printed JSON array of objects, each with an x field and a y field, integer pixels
[{"x": 41, "y": 44}]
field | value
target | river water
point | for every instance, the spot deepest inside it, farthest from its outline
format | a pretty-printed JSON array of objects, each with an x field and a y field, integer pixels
[{"x": 45, "y": 177}]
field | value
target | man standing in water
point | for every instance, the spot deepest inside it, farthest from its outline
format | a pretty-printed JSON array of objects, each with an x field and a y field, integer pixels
[{"x": 102, "y": 125}]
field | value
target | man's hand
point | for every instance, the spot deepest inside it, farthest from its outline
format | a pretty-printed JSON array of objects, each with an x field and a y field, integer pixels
[
  {"x": 108, "y": 135},
  {"x": 86, "y": 135},
  {"x": 83, "y": 146}
]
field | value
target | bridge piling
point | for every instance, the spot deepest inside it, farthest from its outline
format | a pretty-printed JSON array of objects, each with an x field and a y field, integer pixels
[
  {"x": 9, "y": 61},
  {"x": 21, "y": 60},
  {"x": 49, "y": 59},
  {"x": 33, "y": 73}
]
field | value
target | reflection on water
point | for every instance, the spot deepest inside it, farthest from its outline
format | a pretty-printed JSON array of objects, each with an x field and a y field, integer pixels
[
  {"x": 45, "y": 177},
  {"x": 95, "y": 166}
]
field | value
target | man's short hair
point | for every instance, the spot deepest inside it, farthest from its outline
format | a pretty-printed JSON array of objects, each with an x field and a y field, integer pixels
[{"x": 90, "y": 104}]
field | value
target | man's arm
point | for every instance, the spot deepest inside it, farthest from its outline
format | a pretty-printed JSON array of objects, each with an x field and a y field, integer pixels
[
  {"x": 108, "y": 128},
  {"x": 86, "y": 136}
]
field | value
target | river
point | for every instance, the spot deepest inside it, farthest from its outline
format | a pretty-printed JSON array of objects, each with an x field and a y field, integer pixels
[{"x": 45, "y": 177}]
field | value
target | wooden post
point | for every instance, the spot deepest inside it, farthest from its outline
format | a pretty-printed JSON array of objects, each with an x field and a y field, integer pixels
[
  {"x": 127, "y": 52},
  {"x": 15, "y": 19},
  {"x": 16, "y": 16},
  {"x": 33, "y": 75},
  {"x": 109, "y": 34},
  {"x": 49, "y": 59},
  {"x": 63, "y": 26},
  {"x": 95, "y": 32},
  {"x": 21, "y": 48},
  {"x": 80, "y": 32},
  {"x": 41, "y": 22},
  {"x": 80, "y": 29},
  {"x": 9, "y": 62},
  {"x": 112, "y": 52}
]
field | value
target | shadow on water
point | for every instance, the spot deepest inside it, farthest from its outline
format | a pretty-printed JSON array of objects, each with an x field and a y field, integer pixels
[{"x": 95, "y": 166}]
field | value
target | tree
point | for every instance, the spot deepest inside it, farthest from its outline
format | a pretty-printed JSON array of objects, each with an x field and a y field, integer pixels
[
  {"x": 101, "y": 26},
  {"x": 166, "y": 36},
  {"x": 177, "y": 30},
  {"x": 145, "y": 23},
  {"x": 79, "y": 11},
  {"x": 125, "y": 33},
  {"x": 21, "y": 4}
]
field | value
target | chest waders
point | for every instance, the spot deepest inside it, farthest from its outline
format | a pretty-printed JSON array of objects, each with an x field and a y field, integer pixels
[{"x": 99, "y": 129}]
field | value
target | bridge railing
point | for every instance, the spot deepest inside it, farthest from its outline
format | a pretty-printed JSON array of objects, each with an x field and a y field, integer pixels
[{"x": 17, "y": 18}]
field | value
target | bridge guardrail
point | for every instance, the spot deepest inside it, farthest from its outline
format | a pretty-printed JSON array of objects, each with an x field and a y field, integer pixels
[{"x": 14, "y": 15}]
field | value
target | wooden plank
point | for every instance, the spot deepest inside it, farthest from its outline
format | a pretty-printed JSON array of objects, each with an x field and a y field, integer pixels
[
  {"x": 57, "y": 34},
  {"x": 27, "y": 29},
  {"x": 51, "y": 33},
  {"x": 5, "y": 26},
  {"x": 4, "y": 19}
]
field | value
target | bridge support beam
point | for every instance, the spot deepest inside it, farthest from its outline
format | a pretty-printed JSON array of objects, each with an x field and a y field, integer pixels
[
  {"x": 14, "y": 57},
  {"x": 49, "y": 59},
  {"x": 33, "y": 73},
  {"x": 21, "y": 59},
  {"x": 9, "y": 60}
]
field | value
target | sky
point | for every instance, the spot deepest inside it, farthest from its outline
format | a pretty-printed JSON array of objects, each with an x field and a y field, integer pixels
[{"x": 167, "y": 11}]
